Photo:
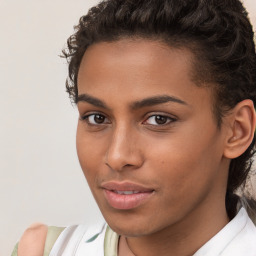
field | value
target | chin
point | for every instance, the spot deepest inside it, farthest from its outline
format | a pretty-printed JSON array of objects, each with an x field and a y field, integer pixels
[
  {"x": 131, "y": 231},
  {"x": 133, "y": 225}
]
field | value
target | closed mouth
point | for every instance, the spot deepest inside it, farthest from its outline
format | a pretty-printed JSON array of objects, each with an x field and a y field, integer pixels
[
  {"x": 125, "y": 187},
  {"x": 126, "y": 195}
]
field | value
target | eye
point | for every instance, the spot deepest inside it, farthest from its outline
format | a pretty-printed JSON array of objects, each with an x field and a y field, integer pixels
[
  {"x": 159, "y": 120},
  {"x": 95, "y": 119}
]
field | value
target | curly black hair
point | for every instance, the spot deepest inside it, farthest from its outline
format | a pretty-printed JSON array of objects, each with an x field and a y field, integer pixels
[{"x": 219, "y": 34}]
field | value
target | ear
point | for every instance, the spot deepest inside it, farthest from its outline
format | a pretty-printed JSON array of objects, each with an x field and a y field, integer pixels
[{"x": 241, "y": 129}]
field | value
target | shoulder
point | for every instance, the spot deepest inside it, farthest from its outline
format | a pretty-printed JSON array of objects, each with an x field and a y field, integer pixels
[
  {"x": 244, "y": 241},
  {"x": 81, "y": 240},
  {"x": 33, "y": 240}
]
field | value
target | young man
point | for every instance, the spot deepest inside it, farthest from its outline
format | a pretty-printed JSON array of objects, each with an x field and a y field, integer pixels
[{"x": 165, "y": 92}]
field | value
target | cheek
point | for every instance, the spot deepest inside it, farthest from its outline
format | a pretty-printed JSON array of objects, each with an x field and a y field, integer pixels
[
  {"x": 186, "y": 165},
  {"x": 182, "y": 186},
  {"x": 88, "y": 152}
]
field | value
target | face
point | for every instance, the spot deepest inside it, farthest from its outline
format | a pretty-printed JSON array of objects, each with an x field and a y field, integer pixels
[{"x": 147, "y": 140}]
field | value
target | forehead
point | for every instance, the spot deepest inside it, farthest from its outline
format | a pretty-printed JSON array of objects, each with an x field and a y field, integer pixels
[
  {"x": 136, "y": 69},
  {"x": 136, "y": 53}
]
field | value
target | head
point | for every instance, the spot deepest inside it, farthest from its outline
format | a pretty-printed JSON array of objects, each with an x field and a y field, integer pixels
[{"x": 216, "y": 39}]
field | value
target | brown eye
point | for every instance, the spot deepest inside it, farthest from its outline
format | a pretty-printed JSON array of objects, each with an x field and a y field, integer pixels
[
  {"x": 96, "y": 119},
  {"x": 159, "y": 120},
  {"x": 99, "y": 119}
]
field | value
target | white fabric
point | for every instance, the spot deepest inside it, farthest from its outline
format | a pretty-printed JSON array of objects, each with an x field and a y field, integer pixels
[
  {"x": 237, "y": 238},
  {"x": 80, "y": 241}
]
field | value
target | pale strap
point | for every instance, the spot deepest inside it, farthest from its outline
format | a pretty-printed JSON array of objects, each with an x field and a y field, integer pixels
[
  {"x": 110, "y": 242},
  {"x": 15, "y": 250},
  {"x": 52, "y": 235}
]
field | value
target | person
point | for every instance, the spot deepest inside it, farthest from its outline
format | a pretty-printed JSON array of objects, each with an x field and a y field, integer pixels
[{"x": 165, "y": 91}]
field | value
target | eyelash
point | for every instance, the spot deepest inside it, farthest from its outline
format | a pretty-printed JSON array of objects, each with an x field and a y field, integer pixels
[
  {"x": 86, "y": 118},
  {"x": 168, "y": 119}
]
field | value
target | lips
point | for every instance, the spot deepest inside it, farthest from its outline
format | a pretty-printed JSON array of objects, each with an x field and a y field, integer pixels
[{"x": 126, "y": 195}]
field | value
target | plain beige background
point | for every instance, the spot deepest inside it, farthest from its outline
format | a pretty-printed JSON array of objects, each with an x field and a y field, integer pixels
[{"x": 40, "y": 177}]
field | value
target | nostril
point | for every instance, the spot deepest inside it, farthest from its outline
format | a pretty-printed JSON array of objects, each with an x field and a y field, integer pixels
[{"x": 120, "y": 156}]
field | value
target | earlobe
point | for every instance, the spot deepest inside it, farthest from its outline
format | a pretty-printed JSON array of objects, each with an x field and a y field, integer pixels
[{"x": 242, "y": 127}]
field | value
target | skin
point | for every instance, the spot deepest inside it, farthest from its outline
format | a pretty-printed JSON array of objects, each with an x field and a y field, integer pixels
[
  {"x": 184, "y": 158},
  {"x": 33, "y": 240}
]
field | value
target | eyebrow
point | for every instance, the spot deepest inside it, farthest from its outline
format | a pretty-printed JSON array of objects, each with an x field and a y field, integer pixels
[
  {"x": 155, "y": 100},
  {"x": 151, "y": 101},
  {"x": 91, "y": 100}
]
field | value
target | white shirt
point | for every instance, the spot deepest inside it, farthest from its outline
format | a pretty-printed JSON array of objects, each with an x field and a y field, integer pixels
[{"x": 237, "y": 238}]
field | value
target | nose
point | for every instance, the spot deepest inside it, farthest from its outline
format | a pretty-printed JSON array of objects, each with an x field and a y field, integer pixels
[{"x": 123, "y": 151}]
